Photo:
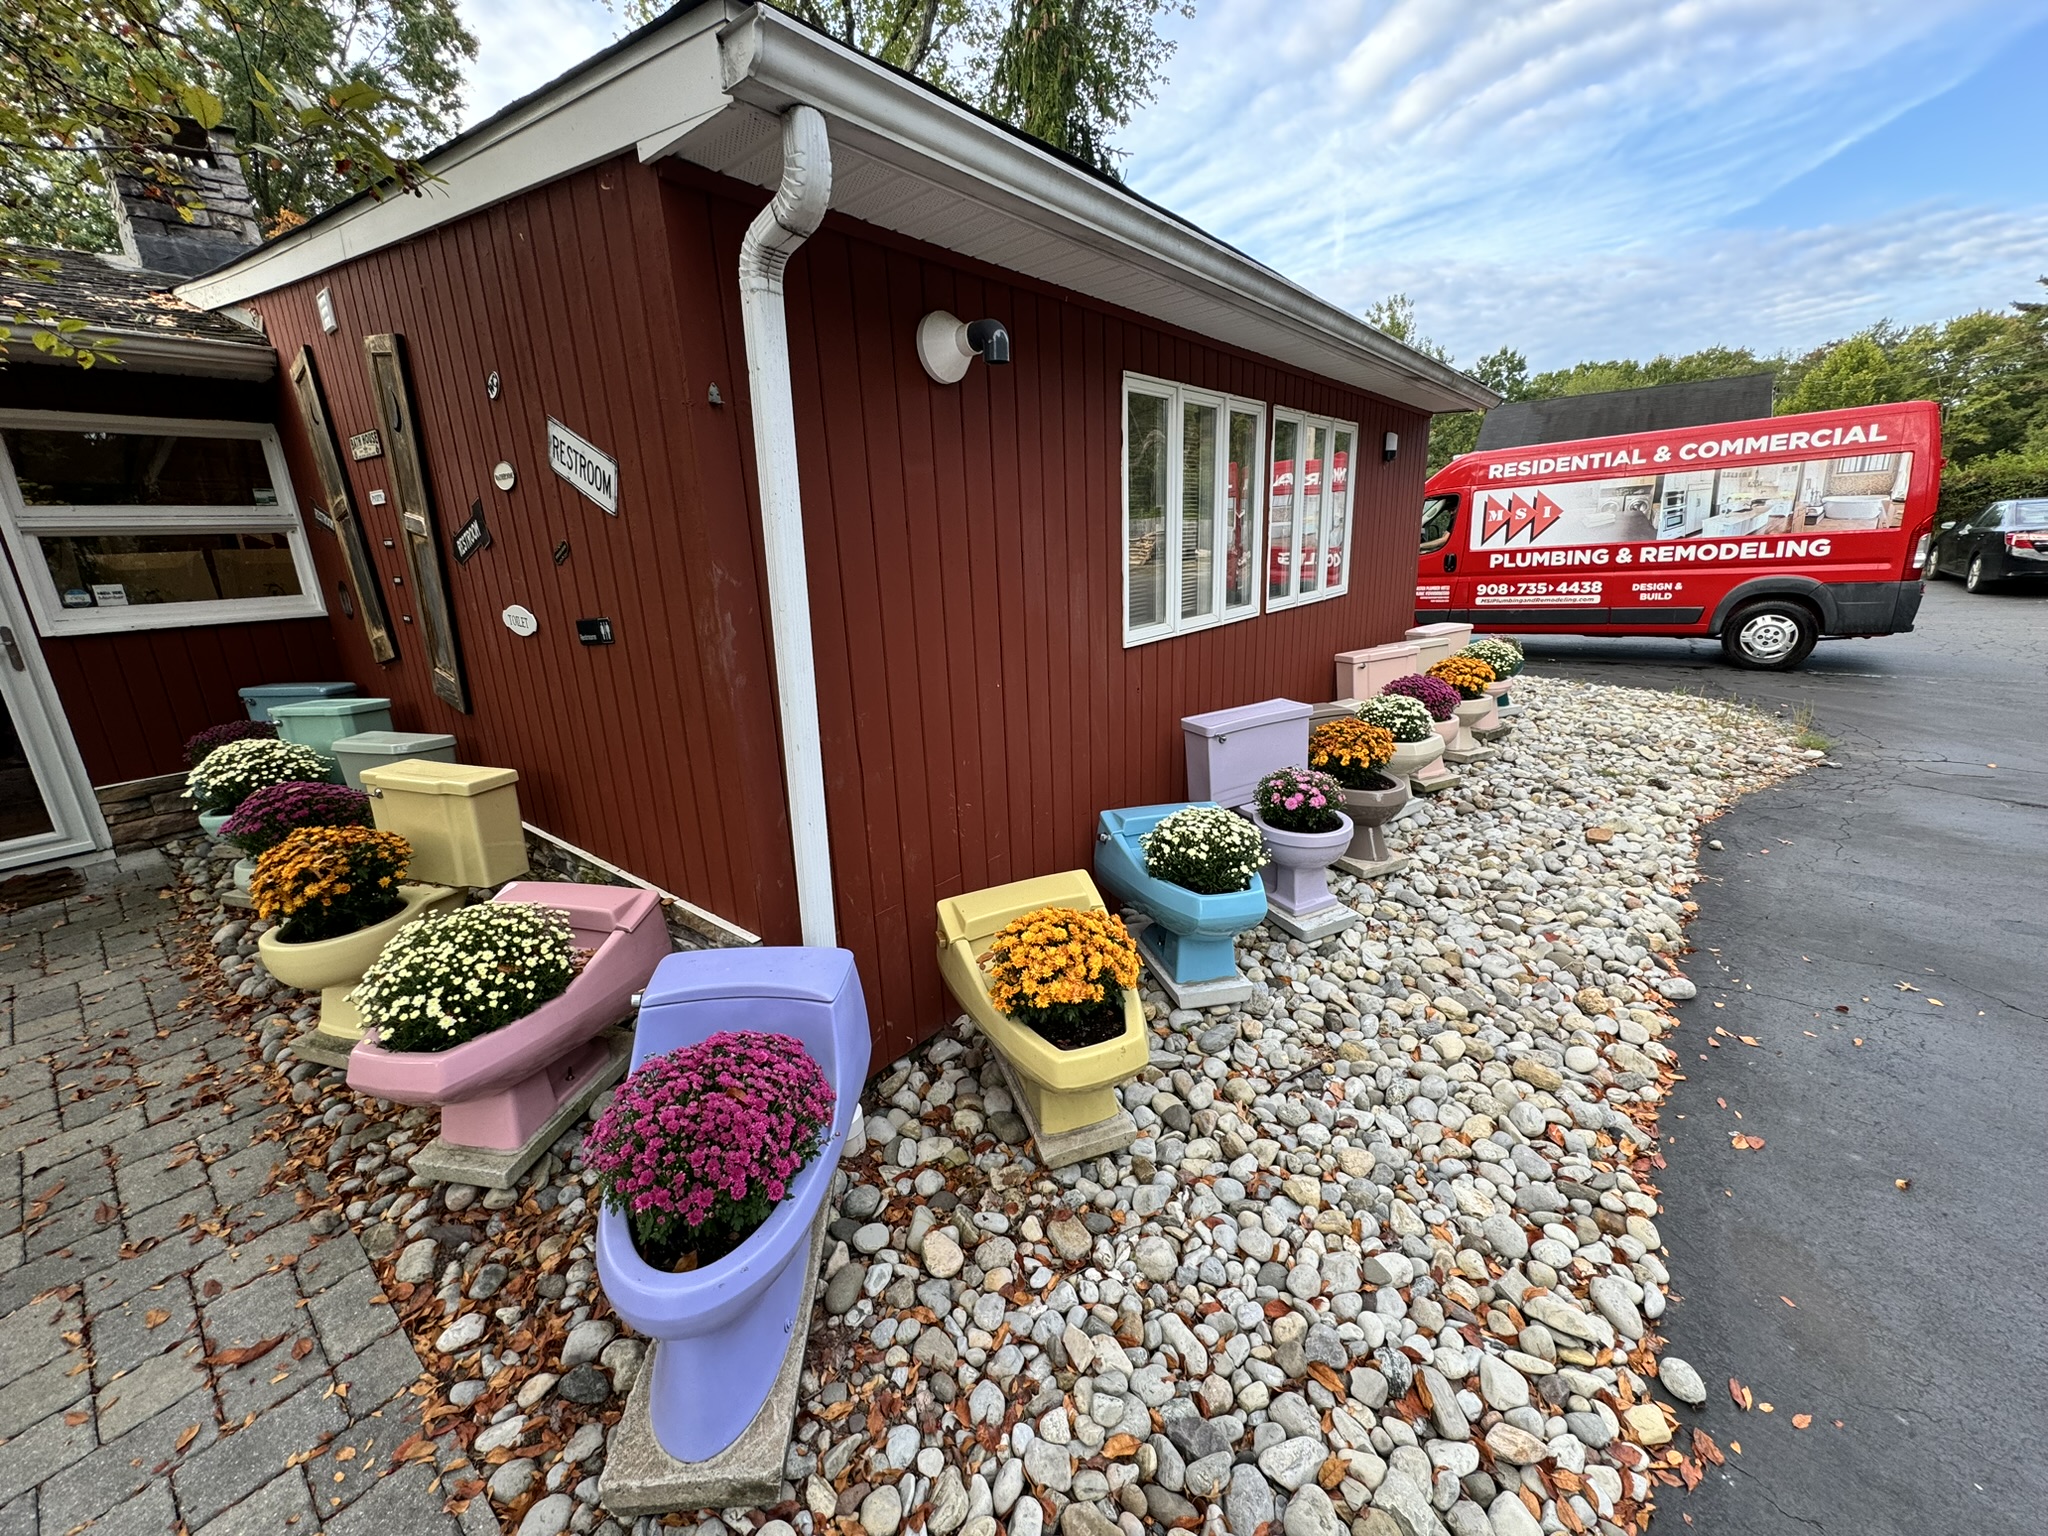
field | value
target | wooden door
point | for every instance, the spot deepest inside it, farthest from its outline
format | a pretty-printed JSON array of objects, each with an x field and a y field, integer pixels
[
  {"x": 340, "y": 509},
  {"x": 392, "y": 391}
]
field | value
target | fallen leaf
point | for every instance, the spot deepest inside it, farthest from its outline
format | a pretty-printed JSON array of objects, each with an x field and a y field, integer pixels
[
  {"x": 1116, "y": 1447},
  {"x": 1746, "y": 1143},
  {"x": 1936, "y": 1002},
  {"x": 1788, "y": 1301},
  {"x": 346, "y": 1453},
  {"x": 1740, "y": 1393},
  {"x": 1841, "y": 1007},
  {"x": 244, "y": 1353},
  {"x": 1735, "y": 1446},
  {"x": 1766, "y": 1408},
  {"x": 1801, "y": 1420},
  {"x": 187, "y": 1435},
  {"x": 1857, "y": 1040},
  {"x": 303, "y": 1348},
  {"x": 155, "y": 1317},
  {"x": 76, "y": 1419},
  {"x": 1902, "y": 1183}
]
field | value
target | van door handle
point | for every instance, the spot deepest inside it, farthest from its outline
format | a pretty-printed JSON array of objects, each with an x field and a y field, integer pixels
[
  {"x": 7, "y": 643},
  {"x": 1450, "y": 563}
]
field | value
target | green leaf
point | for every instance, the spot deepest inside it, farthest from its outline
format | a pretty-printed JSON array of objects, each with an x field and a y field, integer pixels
[{"x": 202, "y": 106}]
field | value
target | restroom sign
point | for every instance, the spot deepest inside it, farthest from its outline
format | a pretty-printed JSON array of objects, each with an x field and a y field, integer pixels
[{"x": 593, "y": 473}]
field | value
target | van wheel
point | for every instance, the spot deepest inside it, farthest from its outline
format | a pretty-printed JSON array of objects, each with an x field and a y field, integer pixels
[
  {"x": 1974, "y": 579},
  {"x": 1769, "y": 635}
]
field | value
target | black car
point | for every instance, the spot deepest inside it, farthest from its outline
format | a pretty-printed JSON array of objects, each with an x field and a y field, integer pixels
[{"x": 2006, "y": 542}]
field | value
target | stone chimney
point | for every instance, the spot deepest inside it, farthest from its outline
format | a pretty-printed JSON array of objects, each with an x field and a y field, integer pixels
[{"x": 196, "y": 215}]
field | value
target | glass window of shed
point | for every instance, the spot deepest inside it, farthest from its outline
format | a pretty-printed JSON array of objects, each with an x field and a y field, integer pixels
[{"x": 1191, "y": 508}]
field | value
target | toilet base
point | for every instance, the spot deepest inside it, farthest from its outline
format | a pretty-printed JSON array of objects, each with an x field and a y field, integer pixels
[
  {"x": 1319, "y": 924},
  {"x": 1477, "y": 754},
  {"x": 1216, "y": 993},
  {"x": 640, "y": 1478},
  {"x": 1435, "y": 786},
  {"x": 1056, "y": 1149},
  {"x": 1496, "y": 734},
  {"x": 497, "y": 1168}
]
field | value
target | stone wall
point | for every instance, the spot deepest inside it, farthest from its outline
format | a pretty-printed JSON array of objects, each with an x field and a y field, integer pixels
[{"x": 143, "y": 812}]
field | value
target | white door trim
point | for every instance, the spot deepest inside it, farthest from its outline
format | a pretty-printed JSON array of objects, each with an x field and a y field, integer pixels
[{"x": 31, "y": 698}]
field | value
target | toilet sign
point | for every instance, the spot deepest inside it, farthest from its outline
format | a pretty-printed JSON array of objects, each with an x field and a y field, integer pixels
[{"x": 593, "y": 473}]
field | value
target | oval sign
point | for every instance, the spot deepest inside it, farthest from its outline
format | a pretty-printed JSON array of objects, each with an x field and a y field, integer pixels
[
  {"x": 504, "y": 477},
  {"x": 520, "y": 620}
]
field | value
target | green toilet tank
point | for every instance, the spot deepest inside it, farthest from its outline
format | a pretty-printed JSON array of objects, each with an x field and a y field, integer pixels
[
  {"x": 260, "y": 698},
  {"x": 374, "y": 749},
  {"x": 319, "y": 723}
]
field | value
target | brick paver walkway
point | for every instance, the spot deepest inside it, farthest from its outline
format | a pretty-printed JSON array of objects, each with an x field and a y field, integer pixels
[{"x": 180, "y": 1348}]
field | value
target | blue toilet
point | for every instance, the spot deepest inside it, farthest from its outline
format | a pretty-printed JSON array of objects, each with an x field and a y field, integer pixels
[{"x": 1189, "y": 942}]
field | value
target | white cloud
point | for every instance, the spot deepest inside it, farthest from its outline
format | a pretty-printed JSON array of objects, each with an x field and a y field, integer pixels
[
  {"x": 523, "y": 44},
  {"x": 1789, "y": 288},
  {"x": 1578, "y": 155}
]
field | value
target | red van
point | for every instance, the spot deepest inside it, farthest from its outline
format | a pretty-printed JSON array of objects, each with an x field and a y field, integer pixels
[{"x": 1767, "y": 533}]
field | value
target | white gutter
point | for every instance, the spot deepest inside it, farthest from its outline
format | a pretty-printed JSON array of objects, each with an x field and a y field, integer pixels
[
  {"x": 150, "y": 352},
  {"x": 776, "y": 232}
]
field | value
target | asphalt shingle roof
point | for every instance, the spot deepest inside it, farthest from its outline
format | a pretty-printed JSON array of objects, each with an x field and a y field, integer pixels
[{"x": 112, "y": 297}]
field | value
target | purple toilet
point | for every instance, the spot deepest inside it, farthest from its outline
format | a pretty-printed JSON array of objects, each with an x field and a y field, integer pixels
[{"x": 722, "y": 1332}]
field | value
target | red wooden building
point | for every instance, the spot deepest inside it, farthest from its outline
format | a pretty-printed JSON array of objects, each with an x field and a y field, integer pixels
[{"x": 768, "y": 614}]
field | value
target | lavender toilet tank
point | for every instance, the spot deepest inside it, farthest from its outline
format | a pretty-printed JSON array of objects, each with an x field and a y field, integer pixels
[
  {"x": 723, "y": 1330},
  {"x": 1230, "y": 750}
]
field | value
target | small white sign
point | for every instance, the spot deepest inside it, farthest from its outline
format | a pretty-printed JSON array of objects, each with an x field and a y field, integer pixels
[
  {"x": 376, "y": 498},
  {"x": 520, "y": 620},
  {"x": 109, "y": 594},
  {"x": 593, "y": 473},
  {"x": 325, "y": 301},
  {"x": 504, "y": 477}
]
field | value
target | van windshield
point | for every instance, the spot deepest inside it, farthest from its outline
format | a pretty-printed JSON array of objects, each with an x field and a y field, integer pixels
[
  {"x": 1439, "y": 515},
  {"x": 2030, "y": 514}
]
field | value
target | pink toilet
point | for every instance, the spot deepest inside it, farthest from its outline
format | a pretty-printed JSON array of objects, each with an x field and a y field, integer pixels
[
  {"x": 1361, "y": 674},
  {"x": 504, "y": 1096}
]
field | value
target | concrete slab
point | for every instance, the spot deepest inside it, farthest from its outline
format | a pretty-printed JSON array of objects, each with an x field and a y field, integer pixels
[
  {"x": 494, "y": 1168},
  {"x": 1321, "y": 924},
  {"x": 1191, "y": 994},
  {"x": 640, "y": 1478},
  {"x": 1056, "y": 1149},
  {"x": 1372, "y": 870},
  {"x": 327, "y": 1050}
]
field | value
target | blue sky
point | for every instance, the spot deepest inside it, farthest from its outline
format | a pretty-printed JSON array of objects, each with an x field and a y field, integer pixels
[{"x": 1577, "y": 178}]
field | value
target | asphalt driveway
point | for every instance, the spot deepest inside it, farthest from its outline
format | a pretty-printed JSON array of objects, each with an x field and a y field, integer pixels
[{"x": 1878, "y": 930}]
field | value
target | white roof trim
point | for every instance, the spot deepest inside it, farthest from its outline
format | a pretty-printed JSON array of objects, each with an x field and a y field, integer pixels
[
  {"x": 707, "y": 84},
  {"x": 147, "y": 352}
]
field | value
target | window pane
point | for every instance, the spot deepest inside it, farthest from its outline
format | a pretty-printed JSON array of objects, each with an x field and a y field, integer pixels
[
  {"x": 1312, "y": 507},
  {"x": 127, "y": 570},
  {"x": 1439, "y": 515},
  {"x": 135, "y": 469},
  {"x": 1280, "y": 510},
  {"x": 1240, "y": 568},
  {"x": 1145, "y": 444},
  {"x": 1337, "y": 509},
  {"x": 1198, "y": 428}
]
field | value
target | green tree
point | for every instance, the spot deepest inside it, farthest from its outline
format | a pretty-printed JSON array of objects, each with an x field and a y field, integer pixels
[
  {"x": 1069, "y": 72},
  {"x": 319, "y": 88}
]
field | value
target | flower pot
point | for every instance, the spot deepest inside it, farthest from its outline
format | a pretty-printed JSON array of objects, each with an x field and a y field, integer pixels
[
  {"x": 722, "y": 1332},
  {"x": 1189, "y": 943},
  {"x": 1465, "y": 747},
  {"x": 334, "y": 966},
  {"x": 1067, "y": 1098},
  {"x": 210, "y": 822},
  {"x": 509, "y": 1092},
  {"x": 1418, "y": 759},
  {"x": 1370, "y": 810},
  {"x": 1301, "y": 862},
  {"x": 245, "y": 871}
]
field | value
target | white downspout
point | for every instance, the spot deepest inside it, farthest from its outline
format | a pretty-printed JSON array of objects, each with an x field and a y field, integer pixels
[{"x": 781, "y": 227}]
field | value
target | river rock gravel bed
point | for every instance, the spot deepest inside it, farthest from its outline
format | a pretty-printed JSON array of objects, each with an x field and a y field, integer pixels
[{"x": 1383, "y": 1260}]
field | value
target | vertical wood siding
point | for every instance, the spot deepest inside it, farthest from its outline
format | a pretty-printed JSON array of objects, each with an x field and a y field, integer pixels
[
  {"x": 966, "y": 551},
  {"x": 965, "y": 546},
  {"x": 655, "y": 751}
]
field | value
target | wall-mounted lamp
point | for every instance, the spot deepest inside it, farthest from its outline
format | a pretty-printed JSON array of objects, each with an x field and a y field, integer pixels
[
  {"x": 1390, "y": 447},
  {"x": 948, "y": 346}
]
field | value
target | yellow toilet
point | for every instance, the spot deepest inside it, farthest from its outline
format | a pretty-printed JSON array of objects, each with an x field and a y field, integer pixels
[
  {"x": 461, "y": 819},
  {"x": 1067, "y": 1098}
]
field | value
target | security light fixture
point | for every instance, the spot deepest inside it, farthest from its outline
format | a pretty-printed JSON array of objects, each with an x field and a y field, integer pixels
[
  {"x": 1390, "y": 447},
  {"x": 948, "y": 346}
]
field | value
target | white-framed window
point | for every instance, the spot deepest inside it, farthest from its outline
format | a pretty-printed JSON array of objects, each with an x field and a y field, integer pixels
[
  {"x": 1193, "y": 468},
  {"x": 121, "y": 523},
  {"x": 1308, "y": 524}
]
